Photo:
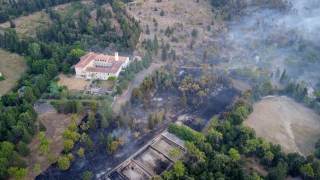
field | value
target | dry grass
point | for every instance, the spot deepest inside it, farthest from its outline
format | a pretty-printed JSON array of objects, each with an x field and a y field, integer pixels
[
  {"x": 73, "y": 83},
  {"x": 55, "y": 125},
  {"x": 177, "y": 15},
  {"x": 283, "y": 121},
  {"x": 12, "y": 66},
  {"x": 106, "y": 84},
  {"x": 26, "y": 26}
]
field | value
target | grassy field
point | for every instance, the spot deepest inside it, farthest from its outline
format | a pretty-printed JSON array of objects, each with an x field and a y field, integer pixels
[
  {"x": 283, "y": 121},
  {"x": 26, "y": 26},
  {"x": 12, "y": 66}
]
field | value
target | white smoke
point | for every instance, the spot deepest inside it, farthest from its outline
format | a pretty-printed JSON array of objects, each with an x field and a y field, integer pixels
[{"x": 277, "y": 39}]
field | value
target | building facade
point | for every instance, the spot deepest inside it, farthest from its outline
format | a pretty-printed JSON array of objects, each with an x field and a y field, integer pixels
[{"x": 100, "y": 66}]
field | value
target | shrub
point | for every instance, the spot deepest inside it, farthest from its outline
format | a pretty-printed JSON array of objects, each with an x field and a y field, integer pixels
[{"x": 63, "y": 163}]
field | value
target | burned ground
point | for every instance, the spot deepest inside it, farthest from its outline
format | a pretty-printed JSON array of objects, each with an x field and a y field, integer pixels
[
  {"x": 133, "y": 130},
  {"x": 149, "y": 161}
]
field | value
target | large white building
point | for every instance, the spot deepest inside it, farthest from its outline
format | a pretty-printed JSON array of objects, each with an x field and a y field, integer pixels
[{"x": 100, "y": 66}]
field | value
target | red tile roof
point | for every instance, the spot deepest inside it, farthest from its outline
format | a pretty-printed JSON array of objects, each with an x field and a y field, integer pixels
[
  {"x": 86, "y": 59},
  {"x": 113, "y": 68}
]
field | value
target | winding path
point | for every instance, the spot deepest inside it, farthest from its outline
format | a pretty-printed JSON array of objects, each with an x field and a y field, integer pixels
[{"x": 126, "y": 95}]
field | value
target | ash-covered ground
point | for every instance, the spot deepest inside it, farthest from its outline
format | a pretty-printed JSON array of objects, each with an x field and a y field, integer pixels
[
  {"x": 273, "y": 39},
  {"x": 132, "y": 126}
]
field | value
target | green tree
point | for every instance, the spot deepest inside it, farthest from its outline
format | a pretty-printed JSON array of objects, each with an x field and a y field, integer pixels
[
  {"x": 268, "y": 156},
  {"x": 112, "y": 147},
  {"x": 80, "y": 152},
  {"x": 178, "y": 169},
  {"x": 34, "y": 50},
  {"x": 234, "y": 154},
  {"x": 37, "y": 169},
  {"x": 75, "y": 54},
  {"x": 87, "y": 175},
  {"x": 44, "y": 143},
  {"x": 68, "y": 145},
  {"x": 307, "y": 170},
  {"x": 17, "y": 173},
  {"x": 23, "y": 148},
  {"x": 63, "y": 163},
  {"x": 279, "y": 172}
]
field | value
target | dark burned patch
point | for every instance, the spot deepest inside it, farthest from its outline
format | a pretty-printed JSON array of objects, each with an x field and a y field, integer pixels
[
  {"x": 161, "y": 166},
  {"x": 153, "y": 160},
  {"x": 116, "y": 176},
  {"x": 135, "y": 115},
  {"x": 195, "y": 123},
  {"x": 215, "y": 105},
  {"x": 218, "y": 103}
]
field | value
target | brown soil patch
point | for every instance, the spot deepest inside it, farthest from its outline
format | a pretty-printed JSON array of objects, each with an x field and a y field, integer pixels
[
  {"x": 73, "y": 83},
  {"x": 283, "y": 121},
  {"x": 12, "y": 66}
]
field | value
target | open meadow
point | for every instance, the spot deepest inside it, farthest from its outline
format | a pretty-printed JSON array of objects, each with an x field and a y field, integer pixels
[
  {"x": 283, "y": 121},
  {"x": 12, "y": 66}
]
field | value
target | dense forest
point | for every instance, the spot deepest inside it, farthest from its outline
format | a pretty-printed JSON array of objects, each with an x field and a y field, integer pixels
[{"x": 54, "y": 50}]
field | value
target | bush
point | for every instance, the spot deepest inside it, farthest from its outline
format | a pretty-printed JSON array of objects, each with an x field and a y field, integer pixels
[
  {"x": 112, "y": 78},
  {"x": 68, "y": 145},
  {"x": 186, "y": 133},
  {"x": 63, "y": 163},
  {"x": 87, "y": 175},
  {"x": 23, "y": 148},
  {"x": 1, "y": 77},
  {"x": 17, "y": 173}
]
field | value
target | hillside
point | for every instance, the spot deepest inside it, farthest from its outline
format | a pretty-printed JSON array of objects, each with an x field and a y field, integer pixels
[{"x": 12, "y": 9}]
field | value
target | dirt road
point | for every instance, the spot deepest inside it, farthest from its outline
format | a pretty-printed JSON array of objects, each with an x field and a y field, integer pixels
[{"x": 126, "y": 95}]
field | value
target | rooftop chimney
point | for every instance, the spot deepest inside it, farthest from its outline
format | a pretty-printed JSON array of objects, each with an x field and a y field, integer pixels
[{"x": 116, "y": 55}]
